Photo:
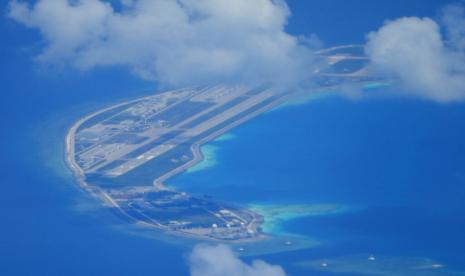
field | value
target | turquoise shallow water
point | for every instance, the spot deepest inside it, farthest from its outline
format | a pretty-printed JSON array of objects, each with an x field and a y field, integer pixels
[
  {"x": 50, "y": 226},
  {"x": 373, "y": 176},
  {"x": 396, "y": 166}
]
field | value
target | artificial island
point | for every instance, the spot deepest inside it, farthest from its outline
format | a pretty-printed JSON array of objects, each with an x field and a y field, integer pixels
[{"x": 123, "y": 154}]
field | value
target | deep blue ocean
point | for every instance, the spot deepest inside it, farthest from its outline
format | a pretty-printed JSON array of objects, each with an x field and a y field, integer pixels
[
  {"x": 397, "y": 165},
  {"x": 394, "y": 167}
]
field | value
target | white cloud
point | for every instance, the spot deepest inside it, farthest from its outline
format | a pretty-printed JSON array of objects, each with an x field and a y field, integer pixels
[
  {"x": 221, "y": 261},
  {"x": 173, "y": 42},
  {"x": 412, "y": 50}
]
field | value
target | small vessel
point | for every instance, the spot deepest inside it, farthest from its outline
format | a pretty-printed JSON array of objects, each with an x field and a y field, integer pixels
[
  {"x": 288, "y": 243},
  {"x": 371, "y": 258},
  {"x": 324, "y": 264}
]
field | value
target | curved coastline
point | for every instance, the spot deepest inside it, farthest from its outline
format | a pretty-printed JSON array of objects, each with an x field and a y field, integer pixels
[
  {"x": 159, "y": 182},
  {"x": 258, "y": 100},
  {"x": 195, "y": 148}
]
